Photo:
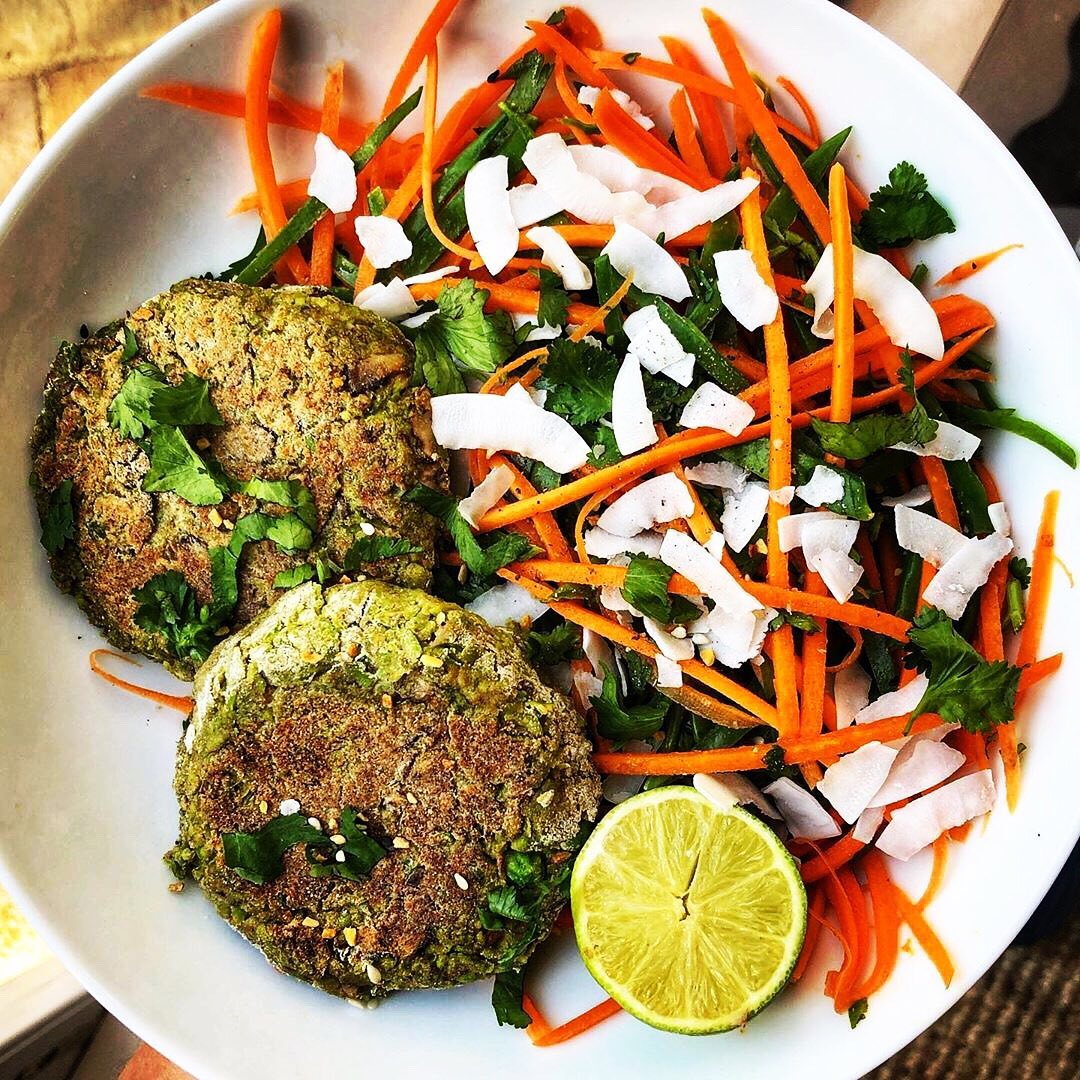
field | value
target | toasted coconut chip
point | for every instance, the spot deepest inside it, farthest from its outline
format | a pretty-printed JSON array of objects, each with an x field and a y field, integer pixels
[
  {"x": 491, "y": 422},
  {"x": 868, "y": 824},
  {"x": 333, "y": 179},
  {"x": 656, "y": 348},
  {"x": 733, "y": 789},
  {"x": 672, "y": 647},
  {"x": 745, "y": 294},
  {"x": 601, "y": 544},
  {"x": 432, "y": 275},
  {"x": 668, "y": 673},
  {"x": 548, "y": 159},
  {"x": 920, "y": 765},
  {"x": 744, "y": 511},
  {"x": 951, "y": 443},
  {"x": 713, "y": 407},
  {"x": 487, "y": 210},
  {"x": 505, "y": 604},
  {"x": 654, "y": 502},
  {"x": 840, "y": 572},
  {"x": 718, "y": 474},
  {"x": 530, "y": 203},
  {"x": 900, "y": 702},
  {"x": 486, "y": 494},
  {"x": 384, "y": 240},
  {"x": 619, "y": 174},
  {"x": 804, "y": 816},
  {"x": 631, "y": 418},
  {"x": 558, "y": 255},
  {"x": 851, "y": 692},
  {"x": 702, "y": 207},
  {"x": 999, "y": 518},
  {"x": 853, "y": 781},
  {"x": 926, "y": 536},
  {"x": 654, "y": 270},
  {"x": 917, "y": 496},
  {"x": 782, "y": 496},
  {"x": 392, "y": 301},
  {"x": 903, "y": 311},
  {"x": 966, "y": 571},
  {"x": 589, "y": 95},
  {"x": 920, "y": 823},
  {"x": 824, "y": 486},
  {"x": 841, "y": 530}
]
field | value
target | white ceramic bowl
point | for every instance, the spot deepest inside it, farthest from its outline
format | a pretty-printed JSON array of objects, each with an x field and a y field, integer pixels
[{"x": 131, "y": 196}]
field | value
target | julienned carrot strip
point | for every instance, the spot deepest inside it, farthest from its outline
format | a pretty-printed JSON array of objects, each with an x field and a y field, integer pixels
[
  {"x": 418, "y": 50},
  {"x": 764, "y": 123},
  {"x": 579, "y": 1024},
  {"x": 710, "y": 123},
  {"x": 813, "y": 664},
  {"x": 815, "y": 919},
  {"x": 539, "y": 1026},
  {"x": 973, "y": 266},
  {"x": 584, "y": 236},
  {"x": 574, "y": 58},
  {"x": 845, "y": 995},
  {"x": 940, "y": 490},
  {"x": 322, "y": 237},
  {"x": 839, "y": 854},
  {"x": 886, "y": 925},
  {"x": 844, "y": 302},
  {"x": 639, "y": 643},
  {"x": 293, "y": 193},
  {"x": 550, "y": 534},
  {"x": 837, "y": 981},
  {"x": 1038, "y": 597},
  {"x": 172, "y": 701},
  {"x": 256, "y": 119},
  {"x": 745, "y": 758},
  {"x": 924, "y": 934},
  {"x": 776, "y": 362},
  {"x": 682, "y": 126},
  {"x": 813, "y": 129},
  {"x": 599, "y": 315},
  {"x": 937, "y": 872},
  {"x": 502, "y": 298}
]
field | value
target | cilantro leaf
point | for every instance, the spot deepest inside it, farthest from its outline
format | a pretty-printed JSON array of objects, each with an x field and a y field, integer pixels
[
  {"x": 131, "y": 344},
  {"x": 297, "y": 575},
  {"x": 258, "y": 857},
  {"x": 290, "y": 534},
  {"x": 524, "y": 868},
  {"x": 866, "y": 435},
  {"x": 553, "y": 300},
  {"x": 174, "y": 466},
  {"x": 857, "y": 1013},
  {"x": 903, "y": 210},
  {"x": 129, "y": 411},
  {"x": 550, "y": 647},
  {"x": 806, "y": 623},
  {"x": 288, "y": 493},
  {"x": 579, "y": 378},
  {"x": 367, "y": 549},
  {"x": 167, "y": 605},
  {"x": 505, "y": 903},
  {"x": 964, "y": 688},
  {"x": 58, "y": 525},
  {"x": 506, "y": 996},
  {"x": 361, "y": 851},
  {"x": 183, "y": 404},
  {"x": 616, "y": 721},
  {"x": 646, "y": 588},
  {"x": 435, "y": 366},
  {"x": 1021, "y": 570},
  {"x": 499, "y": 548}
]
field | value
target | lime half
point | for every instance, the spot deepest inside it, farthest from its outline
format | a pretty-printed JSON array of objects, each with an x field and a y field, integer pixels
[{"x": 689, "y": 915}]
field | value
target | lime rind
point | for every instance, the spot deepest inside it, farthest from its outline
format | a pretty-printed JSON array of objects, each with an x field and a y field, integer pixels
[{"x": 700, "y": 975}]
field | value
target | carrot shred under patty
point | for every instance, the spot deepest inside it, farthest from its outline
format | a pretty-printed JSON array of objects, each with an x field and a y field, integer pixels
[{"x": 588, "y": 1019}]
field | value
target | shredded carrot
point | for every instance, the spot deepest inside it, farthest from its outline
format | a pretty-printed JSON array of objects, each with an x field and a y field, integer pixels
[
  {"x": 502, "y": 298},
  {"x": 172, "y": 701},
  {"x": 839, "y": 854},
  {"x": 599, "y": 315},
  {"x": 813, "y": 129},
  {"x": 973, "y": 266},
  {"x": 853, "y": 653},
  {"x": 539, "y": 1026},
  {"x": 571, "y": 55},
  {"x": 853, "y": 929},
  {"x": 1038, "y": 597},
  {"x": 547, "y": 528},
  {"x": 421, "y": 46},
  {"x": 569, "y": 99},
  {"x": 710, "y": 124},
  {"x": 813, "y": 663},
  {"x": 764, "y": 123},
  {"x": 937, "y": 872},
  {"x": 924, "y": 934},
  {"x": 686, "y": 139},
  {"x": 940, "y": 490},
  {"x": 579, "y": 1024},
  {"x": 815, "y": 912},
  {"x": 886, "y": 925},
  {"x": 256, "y": 119},
  {"x": 844, "y": 302},
  {"x": 322, "y": 238}
]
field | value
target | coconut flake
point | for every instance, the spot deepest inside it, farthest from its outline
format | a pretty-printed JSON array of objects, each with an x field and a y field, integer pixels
[
  {"x": 840, "y": 572},
  {"x": 702, "y": 207},
  {"x": 620, "y": 175},
  {"x": 433, "y": 275},
  {"x": 733, "y": 789},
  {"x": 530, "y": 203},
  {"x": 589, "y": 95},
  {"x": 384, "y": 240},
  {"x": 999, "y": 518},
  {"x": 826, "y": 539},
  {"x": 851, "y": 692},
  {"x": 782, "y": 496},
  {"x": 558, "y": 255},
  {"x": 631, "y": 418},
  {"x": 491, "y": 422},
  {"x": 804, "y": 816},
  {"x": 792, "y": 529},
  {"x": 868, "y": 824},
  {"x": 926, "y": 536},
  {"x": 902, "y": 310},
  {"x": 966, "y": 571},
  {"x": 617, "y": 789},
  {"x": 486, "y": 494},
  {"x": 668, "y": 672},
  {"x": 548, "y": 158},
  {"x": 718, "y": 474},
  {"x": 713, "y": 407},
  {"x": 654, "y": 502},
  {"x": 917, "y": 496},
  {"x": 670, "y": 646},
  {"x": 333, "y": 179},
  {"x": 488, "y": 212},
  {"x": 900, "y": 702},
  {"x": 920, "y": 765},
  {"x": 505, "y": 604},
  {"x": 744, "y": 292},
  {"x": 951, "y": 443},
  {"x": 601, "y": 544},
  {"x": 656, "y": 348},
  {"x": 824, "y": 486},
  {"x": 654, "y": 270},
  {"x": 597, "y": 652},
  {"x": 743, "y": 514},
  {"x": 920, "y": 823},
  {"x": 392, "y": 301},
  {"x": 853, "y": 781}
]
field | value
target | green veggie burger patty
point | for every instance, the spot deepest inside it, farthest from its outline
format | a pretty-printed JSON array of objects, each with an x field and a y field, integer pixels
[
  {"x": 308, "y": 388},
  {"x": 429, "y": 725}
]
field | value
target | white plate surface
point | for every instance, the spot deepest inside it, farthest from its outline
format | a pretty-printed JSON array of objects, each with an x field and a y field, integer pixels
[{"x": 133, "y": 195}]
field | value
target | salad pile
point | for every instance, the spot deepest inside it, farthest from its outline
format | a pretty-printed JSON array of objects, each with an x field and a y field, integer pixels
[{"x": 720, "y": 454}]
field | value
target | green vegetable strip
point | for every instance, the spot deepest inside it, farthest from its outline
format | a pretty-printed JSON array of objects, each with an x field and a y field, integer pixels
[
  {"x": 907, "y": 598},
  {"x": 1015, "y": 613},
  {"x": 1007, "y": 420},
  {"x": 782, "y": 211},
  {"x": 303, "y": 221}
]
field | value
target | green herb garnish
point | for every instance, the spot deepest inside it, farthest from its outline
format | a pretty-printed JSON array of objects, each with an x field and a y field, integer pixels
[
  {"x": 614, "y": 720},
  {"x": 58, "y": 525},
  {"x": 646, "y": 589},
  {"x": 901, "y": 211},
  {"x": 167, "y": 605}
]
